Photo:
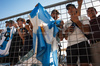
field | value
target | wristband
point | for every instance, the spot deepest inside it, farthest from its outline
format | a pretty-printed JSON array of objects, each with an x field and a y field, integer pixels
[{"x": 18, "y": 27}]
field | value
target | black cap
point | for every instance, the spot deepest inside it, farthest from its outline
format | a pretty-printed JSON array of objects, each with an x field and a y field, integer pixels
[
  {"x": 67, "y": 6},
  {"x": 55, "y": 11},
  {"x": 7, "y": 22}
]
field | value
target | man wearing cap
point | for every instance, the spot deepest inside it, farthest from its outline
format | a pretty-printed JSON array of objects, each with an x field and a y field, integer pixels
[{"x": 77, "y": 27}]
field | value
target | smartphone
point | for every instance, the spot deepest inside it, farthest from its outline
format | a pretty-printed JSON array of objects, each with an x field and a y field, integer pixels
[{"x": 73, "y": 24}]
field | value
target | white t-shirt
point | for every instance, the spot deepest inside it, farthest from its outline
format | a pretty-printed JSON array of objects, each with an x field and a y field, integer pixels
[
  {"x": 77, "y": 36},
  {"x": 5, "y": 51}
]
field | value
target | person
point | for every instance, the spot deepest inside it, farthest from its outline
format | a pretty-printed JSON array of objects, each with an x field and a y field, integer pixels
[
  {"x": 9, "y": 24},
  {"x": 59, "y": 23},
  {"x": 17, "y": 41},
  {"x": 27, "y": 33},
  {"x": 2, "y": 31},
  {"x": 19, "y": 26},
  {"x": 9, "y": 57},
  {"x": 75, "y": 30},
  {"x": 29, "y": 27},
  {"x": 95, "y": 35}
]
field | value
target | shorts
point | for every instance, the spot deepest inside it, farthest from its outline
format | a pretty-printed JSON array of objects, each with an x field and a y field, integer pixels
[{"x": 81, "y": 51}]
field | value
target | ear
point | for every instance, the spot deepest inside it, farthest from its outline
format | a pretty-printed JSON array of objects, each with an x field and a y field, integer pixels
[
  {"x": 96, "y": 12},
  {"x": 24, "y": 22},
  {"x": 87, "y": 14}
]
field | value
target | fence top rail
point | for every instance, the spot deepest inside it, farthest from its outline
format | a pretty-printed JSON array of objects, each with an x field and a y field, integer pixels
[{"x": 49, "y": 6}]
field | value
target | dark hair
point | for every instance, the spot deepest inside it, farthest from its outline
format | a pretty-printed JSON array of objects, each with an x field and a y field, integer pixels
[
  {"x": 55, "y": 11},
  {"x": 7, "y": 22},
  {"x": 20, "y": 19},
  {"x": 28, "y": 21},
  {"x": 67, "y": 6},
  {"x": 11, "y": 21},
  {"x": 92, "y": 8}
]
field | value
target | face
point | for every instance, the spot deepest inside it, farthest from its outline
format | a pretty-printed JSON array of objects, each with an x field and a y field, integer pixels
[
  {"x": 10, "y": 25},
  {"x": 20, "y": 24},
  {"x": 30, "y": 24},
  {"x": 7, "y": 24},
  {"x": 72, "y": 10},
  {"x": 55, "y": 15},
  {"x": 91, "y": 13}
]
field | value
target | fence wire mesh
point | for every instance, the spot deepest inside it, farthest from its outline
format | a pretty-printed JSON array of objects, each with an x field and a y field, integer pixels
[{"x": 27, "y": 58}]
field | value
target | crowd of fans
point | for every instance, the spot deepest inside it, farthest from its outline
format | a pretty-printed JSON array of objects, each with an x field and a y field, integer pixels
[{"x": 81, "y": 33}]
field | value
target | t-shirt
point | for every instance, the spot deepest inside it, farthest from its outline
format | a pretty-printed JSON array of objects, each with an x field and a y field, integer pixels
[
  {"x": 77, "y": 36},
  {"x": 95, "y": 28}
]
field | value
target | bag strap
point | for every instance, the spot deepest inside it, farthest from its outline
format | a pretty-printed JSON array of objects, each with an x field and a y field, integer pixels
[{"x": 74, "y": 24}]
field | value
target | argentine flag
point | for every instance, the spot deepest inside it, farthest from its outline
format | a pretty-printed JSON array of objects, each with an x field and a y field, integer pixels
[
  {"x": 5, "y": 41},
  {"x": 44, "y": 36}
]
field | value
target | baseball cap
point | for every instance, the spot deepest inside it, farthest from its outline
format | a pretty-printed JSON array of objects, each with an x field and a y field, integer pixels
[{"x": 67, "y": 6}]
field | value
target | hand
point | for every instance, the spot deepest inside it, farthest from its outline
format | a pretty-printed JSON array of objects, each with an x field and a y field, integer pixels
[
  {"x": 42, "y": 29},
  {"x": 80, "y": 1},
  {"x": 60, "y": 35},
  {"x": 0, "y": 31},
  {"x": 61, "y": 24},
  {"x": 69, "y": 30},
  {"x": 36, "y": 5},
  {"x": 15, "y": 25},
  {"x": 79, "y": 7},
  {"x": 27, "y": 27}
]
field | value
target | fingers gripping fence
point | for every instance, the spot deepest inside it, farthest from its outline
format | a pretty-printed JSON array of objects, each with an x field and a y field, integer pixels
[{"x": 22, "y": 53}]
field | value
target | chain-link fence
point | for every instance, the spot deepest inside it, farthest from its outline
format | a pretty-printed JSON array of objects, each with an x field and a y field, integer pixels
[{"x": 29, "y": 59}]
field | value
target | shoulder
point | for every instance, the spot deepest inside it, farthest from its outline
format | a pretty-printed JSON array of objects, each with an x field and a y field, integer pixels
[
  {"x": 62, "y": 22},
  {"x": 83, "y": 17},
  {"x": 68, "y": 23},
  {"x": 99, "y": 16}
]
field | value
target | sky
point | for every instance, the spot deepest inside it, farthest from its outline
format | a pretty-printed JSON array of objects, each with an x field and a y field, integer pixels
[{"x": 13, "y": 7}]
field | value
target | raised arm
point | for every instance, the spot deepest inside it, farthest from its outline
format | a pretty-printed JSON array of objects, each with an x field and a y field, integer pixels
[
  {"x": 79, "y": 7},
  {"x": 19, "y": 32},
  {"x": 30, "y": 30},
  {"x": 84, "y": 27}
]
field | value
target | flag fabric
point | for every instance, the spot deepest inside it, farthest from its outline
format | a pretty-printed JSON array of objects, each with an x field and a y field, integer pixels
[
  {"x": 5, "y": 41},
  {"x": 44, "y": 36}
]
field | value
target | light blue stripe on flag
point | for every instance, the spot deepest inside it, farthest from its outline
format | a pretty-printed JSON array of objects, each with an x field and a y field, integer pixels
[{"x": 45, "y": 43}]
